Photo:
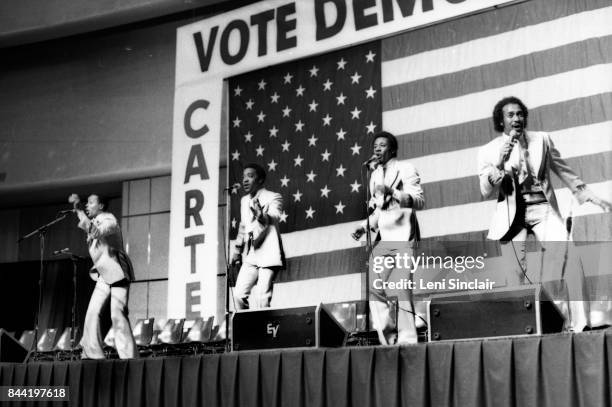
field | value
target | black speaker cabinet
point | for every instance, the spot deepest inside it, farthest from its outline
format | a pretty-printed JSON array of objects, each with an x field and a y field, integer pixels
[
  {"x": 523, "y": 310},
  {"x": 10, "y": 349},
  {"x": 286, "y": 328}
]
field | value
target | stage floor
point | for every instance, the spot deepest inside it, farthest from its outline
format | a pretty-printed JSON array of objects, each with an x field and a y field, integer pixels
[{"x": 550, "y": 370}]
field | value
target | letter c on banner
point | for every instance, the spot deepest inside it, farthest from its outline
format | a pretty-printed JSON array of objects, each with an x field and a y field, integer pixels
[{"x": 190, "y": 131}]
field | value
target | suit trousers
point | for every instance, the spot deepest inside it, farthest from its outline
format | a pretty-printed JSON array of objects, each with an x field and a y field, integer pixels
[
  {"x": 558, "y": 267},
  {"x": 249, "y": 276},
  {"x": 379, "y": 297},
  {"x": 92, "y": 341}
]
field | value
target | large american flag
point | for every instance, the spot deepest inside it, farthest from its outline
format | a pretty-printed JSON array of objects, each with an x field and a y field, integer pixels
[
  {"x": 437, "y": 88},
  {"x": 309, "y": 125}
]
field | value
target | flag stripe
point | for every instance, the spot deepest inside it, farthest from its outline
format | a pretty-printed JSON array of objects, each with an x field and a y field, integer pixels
[
  {"x": 466, "y": 218},
  {"x": 325, "y": 289},
  {"x": 495, "y": 75},
  {"x": 486, "y": 24},
  {"x": 476, "y": 216},
  {"x": 571, "y": 142},
  {"x": 534, "y": 41},
  {"x": 347, "y": 288},
  {"x": 597, "y": 227},
  {"x": 539, "y": 92},
  {"x": 320, "y": 240},
  {"x": 552, "y": 117},
  {"x": 330, "y": 264},
  {"x": 595, "y": 168}
]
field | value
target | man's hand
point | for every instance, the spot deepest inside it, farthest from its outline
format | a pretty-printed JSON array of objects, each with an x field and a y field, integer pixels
[
  {"x": 605, "y": 205},
  {"x": 602, "y": 203},
  {"x": 383, "y": 190},
  {"x": 495, "y": 177},
  {"x": 94, "y": 232},
  {"x": 74, "y": 199},
  {"x": 384, "y": 194},
  {"x": 589, "y": 196},
  {"x": 357, "y": 233},
  {"x": 504, "y": 152},
  {"x": 256, "y": 209}
]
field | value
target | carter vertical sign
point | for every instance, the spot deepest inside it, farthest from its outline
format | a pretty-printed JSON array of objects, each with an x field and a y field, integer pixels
[{"x": 239, "y": 41}]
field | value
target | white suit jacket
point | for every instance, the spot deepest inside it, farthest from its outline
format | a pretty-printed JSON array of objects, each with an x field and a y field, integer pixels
[
  {"x": 396, "y": 221},
  {"x": 266, "y": 246},
  {"x": 543, "y": 157},
  {"x": 106, "y": 248}
]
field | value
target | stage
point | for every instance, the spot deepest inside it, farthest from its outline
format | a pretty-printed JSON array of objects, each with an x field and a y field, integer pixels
[{"x": 552, "y": 370}]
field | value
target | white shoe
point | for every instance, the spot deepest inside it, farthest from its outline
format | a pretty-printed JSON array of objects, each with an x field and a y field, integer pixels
[
  {"x": 406, "y": 337},
  {"x": 381, "y": 337}
]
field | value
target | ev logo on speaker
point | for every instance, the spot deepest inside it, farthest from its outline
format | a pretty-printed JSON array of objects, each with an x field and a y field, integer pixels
[{"x": 272, "y": 329}]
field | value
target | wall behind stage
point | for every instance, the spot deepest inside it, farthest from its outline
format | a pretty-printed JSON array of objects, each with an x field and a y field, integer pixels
[{"x": 92, "y": 108}]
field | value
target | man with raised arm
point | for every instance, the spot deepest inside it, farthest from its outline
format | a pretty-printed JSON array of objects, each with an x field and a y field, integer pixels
[{"x": 113, "y": 272}]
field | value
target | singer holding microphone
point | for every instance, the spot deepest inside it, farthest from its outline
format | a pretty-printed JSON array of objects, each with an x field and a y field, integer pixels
[
  {"x": 395, "y": 195},
  {"x": 112, "y": 270},
  {"x": 258, "y": 247},
  {"x": 514, "y": 168}
]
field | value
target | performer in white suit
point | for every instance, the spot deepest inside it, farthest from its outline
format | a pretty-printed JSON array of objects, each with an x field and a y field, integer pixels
[
  {"x": 515, "y": 168},
  {"x": 396, "y": 194},
  {"x": 258, "y": 244},
  {"x": 113, "y": 272}
]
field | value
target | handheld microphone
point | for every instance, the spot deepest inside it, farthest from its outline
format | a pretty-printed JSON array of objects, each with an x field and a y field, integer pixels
[
  {"x": 372, "y": 159},
  {"x": 514, "y": 136}
]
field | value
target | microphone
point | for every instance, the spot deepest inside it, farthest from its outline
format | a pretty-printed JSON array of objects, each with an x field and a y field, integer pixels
[
  {"x": 371, "y": 160},
  {"x": 234, "y": 187},
  {"x": 61, "y": 251},
  {"x": 514, "y": 136},
  {"x": 65, "y": 211}
]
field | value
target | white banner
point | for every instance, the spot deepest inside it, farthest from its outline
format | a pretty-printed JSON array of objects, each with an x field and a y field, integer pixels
[
  {"x": 194, "y": 201},
  {"x": 245, "y": 39}
]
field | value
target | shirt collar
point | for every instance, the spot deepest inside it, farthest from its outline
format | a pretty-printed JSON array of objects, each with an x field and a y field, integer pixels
[
  {"x": 390, "y": 163},
  {"x": 257, "y": 193},
  {"x": 523, "y": 136}
]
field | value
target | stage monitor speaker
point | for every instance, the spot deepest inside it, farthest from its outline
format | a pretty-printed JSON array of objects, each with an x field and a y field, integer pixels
[
  {"x": 10, "y": 349},
  {"x": 286, "y": 328},
  {"x": 523, "y": 310}
]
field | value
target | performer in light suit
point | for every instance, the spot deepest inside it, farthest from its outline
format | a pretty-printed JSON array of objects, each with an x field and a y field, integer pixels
[
  {"x": 258, "y": 244},
  {"x": 113, "y": 272},
  {"x": 396, "y": 194},
  {"x": 515, "y": 168}
]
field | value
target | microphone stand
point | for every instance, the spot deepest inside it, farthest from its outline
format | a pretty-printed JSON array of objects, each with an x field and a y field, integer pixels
[
  {"x": 228, "y": 266},
  {"x": 40, "y": 232},
  {"x": 369, "y": 247}
]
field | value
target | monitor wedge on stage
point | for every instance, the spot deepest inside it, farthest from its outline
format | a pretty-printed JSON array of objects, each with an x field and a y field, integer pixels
[
  {"x": 286, "y": 328},
  {"x": 523, "y": 310}
]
